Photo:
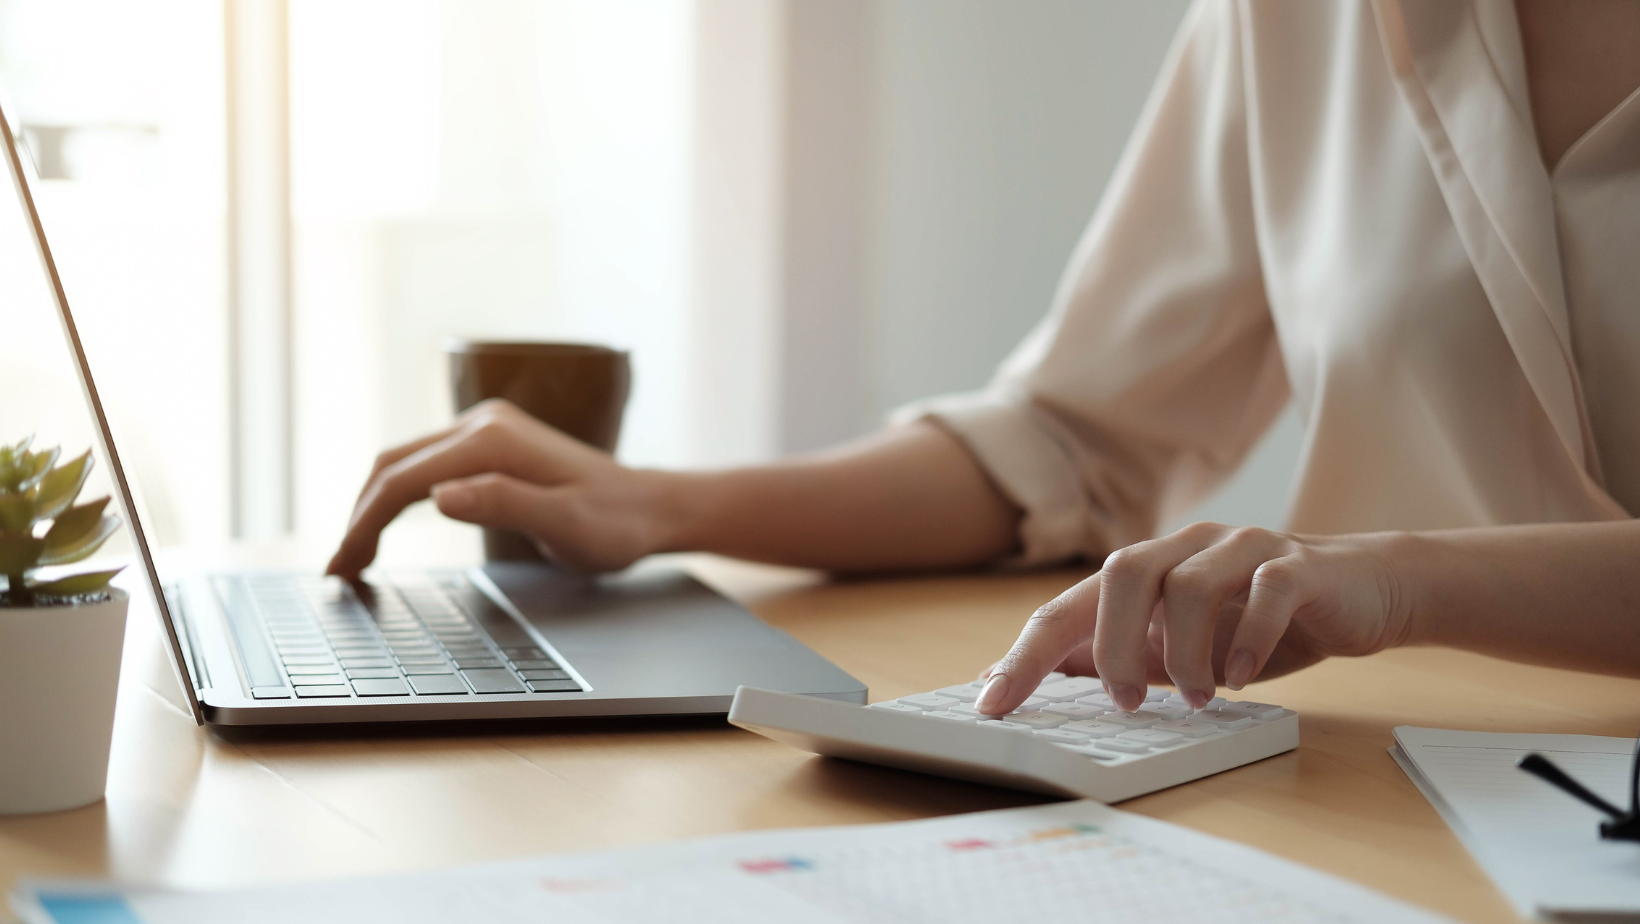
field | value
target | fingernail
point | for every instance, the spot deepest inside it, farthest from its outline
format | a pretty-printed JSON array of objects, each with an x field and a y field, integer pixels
[
  {"x": 456, "y": 500},
  {"x": 990, "y": 698},
  {"x": 1239, "y": 669},
  {"x": 1197, "y": 698},
  {"x": 1125, "y": 695}
]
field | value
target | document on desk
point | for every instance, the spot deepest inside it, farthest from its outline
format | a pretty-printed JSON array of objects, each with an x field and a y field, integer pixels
[
  {"x": 1540, "y": 846},
  {"x": 1070, "y": 861}
]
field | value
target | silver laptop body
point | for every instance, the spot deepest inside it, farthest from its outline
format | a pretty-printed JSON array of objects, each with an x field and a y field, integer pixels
[{"x": 500, "y": 641}]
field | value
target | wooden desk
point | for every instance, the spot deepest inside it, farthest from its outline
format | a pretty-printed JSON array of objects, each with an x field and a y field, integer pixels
[{"x": 190, "y": 807}]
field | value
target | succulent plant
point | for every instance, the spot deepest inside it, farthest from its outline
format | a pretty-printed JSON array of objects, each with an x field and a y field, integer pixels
[{"x": 35, "y": 491}]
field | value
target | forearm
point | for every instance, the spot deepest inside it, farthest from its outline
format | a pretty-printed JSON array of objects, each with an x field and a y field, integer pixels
[
  {"x": 1561, "y": 595},
  {"x": 911, "y": 497}
]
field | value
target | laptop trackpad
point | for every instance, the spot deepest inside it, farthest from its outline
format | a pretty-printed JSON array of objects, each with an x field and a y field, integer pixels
[{"x": 654, "y": 626}]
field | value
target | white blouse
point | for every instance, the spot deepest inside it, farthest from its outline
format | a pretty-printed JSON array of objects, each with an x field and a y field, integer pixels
[{"x": 1343, "y": 203}]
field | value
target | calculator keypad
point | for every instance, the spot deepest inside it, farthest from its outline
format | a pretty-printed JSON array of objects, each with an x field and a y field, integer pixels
[{"x": 1075, "y": 713}]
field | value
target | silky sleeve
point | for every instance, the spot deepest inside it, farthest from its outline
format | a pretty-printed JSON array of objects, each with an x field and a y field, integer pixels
[{"x": 1157, "y": 367}]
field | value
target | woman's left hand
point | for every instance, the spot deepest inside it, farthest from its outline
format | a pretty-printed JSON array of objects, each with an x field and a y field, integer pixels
[{"x": 1210, "y": 604}]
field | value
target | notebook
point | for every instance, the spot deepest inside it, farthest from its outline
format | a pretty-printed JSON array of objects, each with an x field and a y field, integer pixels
[
  {"x": 1540, "y": 846},
  {"x": 1069, "y": 861}
]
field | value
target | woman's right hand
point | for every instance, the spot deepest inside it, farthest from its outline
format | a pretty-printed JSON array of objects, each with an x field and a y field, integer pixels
[{"x": 499, "y": 467}]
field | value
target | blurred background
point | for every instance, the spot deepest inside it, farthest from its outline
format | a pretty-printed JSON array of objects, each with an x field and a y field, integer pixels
[{"x": 797, "y": 214}]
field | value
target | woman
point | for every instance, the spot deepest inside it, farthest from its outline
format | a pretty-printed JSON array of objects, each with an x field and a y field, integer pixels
[{"x": 1419, "y": 219}]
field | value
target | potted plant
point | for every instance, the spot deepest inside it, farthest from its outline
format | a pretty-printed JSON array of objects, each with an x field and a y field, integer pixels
[{"x": 60, "y": 636}]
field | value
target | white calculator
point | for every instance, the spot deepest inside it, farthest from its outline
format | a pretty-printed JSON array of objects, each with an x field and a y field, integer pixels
[{"x": 1067, "y": 739}]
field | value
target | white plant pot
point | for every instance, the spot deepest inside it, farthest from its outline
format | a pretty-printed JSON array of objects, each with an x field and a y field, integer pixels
[{"x": 59, "y": 674}]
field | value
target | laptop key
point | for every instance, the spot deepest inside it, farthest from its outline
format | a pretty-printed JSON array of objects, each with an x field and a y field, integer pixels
[
  {"x": 442, "y": 667},
  {"x": 393, "y": 687},
  {"x": 302, "y": 651},
  {"x": 544, "y": 675},
  {"x": 328, "y": 690},
  {"x": 372, "y": 673},
  {"x": 366, "y": 662},
  {"x": 467, "y": 663},
  {"x": 359, "y": 652},
  {"x": 554, "y": 686},
  {"x": 493, "y": 681},
  {"x": 301, "y": 660},
  {"x": 270, "y": 692},
  {"x": 296, "y": 670},
  {"x": 437, "y": 684},
  {"x": 531, "y": 664},
  {"x": 316, "y": 680},
  {"x": 417, "y": 654}
]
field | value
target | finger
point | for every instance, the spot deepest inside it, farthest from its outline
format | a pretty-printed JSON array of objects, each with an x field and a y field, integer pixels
[
  {"x": 1279, "y": 588},
  {"x": 469, "y": 451},
  {"x": 1053, "y": 631},
  {"x": 388, "y": 457},
  {"x": 491, "y": 410},
  {"x": 1193, "y": 595},
  {"x": 1130, "y": 590}
]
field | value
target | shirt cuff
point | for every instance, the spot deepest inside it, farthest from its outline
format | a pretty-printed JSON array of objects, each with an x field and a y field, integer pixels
[{"x": 1026, "y": 457}]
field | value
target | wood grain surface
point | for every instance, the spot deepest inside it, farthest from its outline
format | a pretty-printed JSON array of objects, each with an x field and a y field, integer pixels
[{"x": 199, "y": 808}]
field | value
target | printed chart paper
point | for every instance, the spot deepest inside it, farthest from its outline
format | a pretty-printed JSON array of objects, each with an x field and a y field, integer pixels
[{"x": 1079, "y": 861}]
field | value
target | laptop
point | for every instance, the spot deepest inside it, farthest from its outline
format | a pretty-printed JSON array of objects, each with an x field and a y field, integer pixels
[{"x": 503, "y": 640}]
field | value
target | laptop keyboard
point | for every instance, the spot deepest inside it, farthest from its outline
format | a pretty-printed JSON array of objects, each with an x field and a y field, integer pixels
[{"x": 317, "y": 638}]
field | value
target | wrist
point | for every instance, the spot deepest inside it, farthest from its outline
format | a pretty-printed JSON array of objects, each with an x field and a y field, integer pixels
[
  {"x": 674, "y": 509},
  {"x": 1412, "y": 561}
]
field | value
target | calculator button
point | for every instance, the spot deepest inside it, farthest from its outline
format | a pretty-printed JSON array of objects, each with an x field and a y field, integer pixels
[
  {"x": 1063, "y": 691},
  {"x": 1036, "y": 719},
  {"x": 1075, "y": 710},
  {"x": 1216, "y": 702},
  {"x": 951, "y": 716},
  {"x": 1256, "y": 711},
  {"x": 1061, "y": 737},
  {"x": 1130, "y": 719},
  {"x": 963, "y": 692},
  {"x": 1165, "y": 710},
  {"x": 996, "y": 725},
  {"x": 897, "y": 707},
  {"x": 1155, "y": 737},
  {"x": 1190, "y": 728},
  {"x": 1228, "y": 721},
  {"x": 928, "y": 701},
  {"x": 1093, "y": 729},
  {"x": 1030, "y": 705}
]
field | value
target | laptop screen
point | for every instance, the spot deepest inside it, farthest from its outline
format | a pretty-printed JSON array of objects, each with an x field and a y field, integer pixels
[{"x": 36, "y": 381}]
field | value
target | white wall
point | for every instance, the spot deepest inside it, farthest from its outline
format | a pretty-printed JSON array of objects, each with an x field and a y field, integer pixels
[
  {"x": 936, "y": 162},
  {"x": 996, "y": 129}
]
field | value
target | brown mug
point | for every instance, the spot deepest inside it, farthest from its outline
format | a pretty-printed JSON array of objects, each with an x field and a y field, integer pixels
[{"x": 578, "y": 389}]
